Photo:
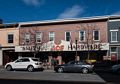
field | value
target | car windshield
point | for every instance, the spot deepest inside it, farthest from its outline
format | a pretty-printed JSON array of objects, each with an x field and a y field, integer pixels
[{"x": 34, "y": 59}]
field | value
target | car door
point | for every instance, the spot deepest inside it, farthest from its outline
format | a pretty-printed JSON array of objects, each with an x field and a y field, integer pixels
[
  {"x": 21, "y": 63},
  {"x": 25, "y": 62},
  {"x": 17, "y": 64},
  {"x": 70, "y": 67}
]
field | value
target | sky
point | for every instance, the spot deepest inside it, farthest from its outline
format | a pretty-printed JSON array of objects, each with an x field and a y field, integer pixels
[{"x": 14, "y": 11}]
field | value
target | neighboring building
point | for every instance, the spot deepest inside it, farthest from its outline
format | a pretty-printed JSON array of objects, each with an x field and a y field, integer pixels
[
  {"x": 9, "y": 38},
  {"x": 114, "y": 39}
]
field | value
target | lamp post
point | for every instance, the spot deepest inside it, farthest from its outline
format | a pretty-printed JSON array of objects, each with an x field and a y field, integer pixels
[{"x": 76, "y": 48}]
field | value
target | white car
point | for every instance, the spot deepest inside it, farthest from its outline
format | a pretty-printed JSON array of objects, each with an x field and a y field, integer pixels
[{"x": 27, "y": 63}]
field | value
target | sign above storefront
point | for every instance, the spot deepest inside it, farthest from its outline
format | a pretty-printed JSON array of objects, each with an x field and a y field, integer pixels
[{"x": 63, "y": 46}]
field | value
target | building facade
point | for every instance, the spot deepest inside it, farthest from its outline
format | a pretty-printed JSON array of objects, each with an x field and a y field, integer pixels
[
  {"x": 64, "y": 40},
  {"x": 85, "y": 39},
  {"x": 9, "y": 38},
  {"x": 114, "y": 39}
]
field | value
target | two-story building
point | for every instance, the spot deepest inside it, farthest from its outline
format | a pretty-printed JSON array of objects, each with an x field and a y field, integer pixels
[
  {"x": 64, "y": 40},
  {"x": 114, "y": 39},
  {"x": 9, "y": 38}
]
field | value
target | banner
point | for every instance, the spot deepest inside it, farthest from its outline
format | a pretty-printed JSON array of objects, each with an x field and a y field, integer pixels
[{"x": 63, "y": 46}]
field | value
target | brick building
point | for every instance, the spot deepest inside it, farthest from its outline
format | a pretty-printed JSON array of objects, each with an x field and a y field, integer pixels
[
  {"x": 62, "y": 40},
  {"x": 58, "y": 39}
]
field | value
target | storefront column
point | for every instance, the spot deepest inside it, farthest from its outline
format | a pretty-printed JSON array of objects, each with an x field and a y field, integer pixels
[
  {"x": 1, "y": 57},
  {"x": 77, "y": 58},
  {"x": 59, "y": 60},
  {"x": 49, "y": 60}
]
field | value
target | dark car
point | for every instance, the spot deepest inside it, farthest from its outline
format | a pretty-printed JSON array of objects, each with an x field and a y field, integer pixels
[
  {"x": 74, "y": 66},
  {"x": 116, "y": 68},
  {"x": 102, "y": 66}
]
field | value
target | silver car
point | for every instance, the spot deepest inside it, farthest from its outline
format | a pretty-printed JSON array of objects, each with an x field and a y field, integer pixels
[{"x": 74, "y": 66}]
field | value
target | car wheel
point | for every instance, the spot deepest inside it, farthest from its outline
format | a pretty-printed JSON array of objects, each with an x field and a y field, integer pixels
[
  {"x": 9, "y": 67},
  {"x": 60, "y": 70},
  {"x": 30, "y": 68},
  {"x": 85, "y": 70}
]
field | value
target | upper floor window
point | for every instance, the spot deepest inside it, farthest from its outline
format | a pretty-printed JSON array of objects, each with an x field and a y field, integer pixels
[
  {"x": 96, "y": 35},
  {"x": 67, "y": 36},
  {"x": 27, "y": 38},
  {"x": 38, "y": 37},
  {"x": 10, "y": 38},
  {"x": 51, "y": 36},
  {"x": 82, "y": 35},
  {"x": 114, "y": 35}
]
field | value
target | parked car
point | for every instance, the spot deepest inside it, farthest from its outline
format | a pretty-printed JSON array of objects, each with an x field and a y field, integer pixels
[
  {"x": 26, "y": 63},
  {"x": 102, "y": 66},
  {"x": 74, "y": 66},
  {"x": 116, "y": 68}
]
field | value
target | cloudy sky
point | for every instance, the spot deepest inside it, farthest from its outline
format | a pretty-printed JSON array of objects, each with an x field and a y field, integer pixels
[{"x": 13, "y": 11}]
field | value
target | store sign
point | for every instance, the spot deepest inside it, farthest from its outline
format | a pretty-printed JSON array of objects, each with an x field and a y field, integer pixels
[{"x": 63, "y": 46}]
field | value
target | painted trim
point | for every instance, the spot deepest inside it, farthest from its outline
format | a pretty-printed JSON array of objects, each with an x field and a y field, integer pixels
[{"x": 114, "y": 30}]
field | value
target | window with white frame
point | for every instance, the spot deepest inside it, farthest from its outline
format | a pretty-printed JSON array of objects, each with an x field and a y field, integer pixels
[
  {"x": 10, "y": 38},
  {"x": 67, "y": 36},
  {"x": 27, "y": 38},
  {"x": 51, "y": 36},
  {"x": 96, "y": 35},
  {"x": 114, "y": 36},
  {"x": 38, "y": 37},
  {"x": 82, "y": 35}
]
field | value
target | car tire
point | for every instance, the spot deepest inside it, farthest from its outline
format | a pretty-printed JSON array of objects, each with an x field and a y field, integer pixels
[
  {"x": 9, "y": 68},
  {"x": 60, "y": 70},
  {"x": 84, "y": 70},
  {"x": 30, "y": 68}
]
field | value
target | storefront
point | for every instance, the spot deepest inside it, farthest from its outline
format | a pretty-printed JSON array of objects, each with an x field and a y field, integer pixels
[{"x": 65, "y": 51}]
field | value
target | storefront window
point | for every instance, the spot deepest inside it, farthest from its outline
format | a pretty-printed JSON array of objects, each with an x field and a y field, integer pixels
[{"x": 113, "y": 49}]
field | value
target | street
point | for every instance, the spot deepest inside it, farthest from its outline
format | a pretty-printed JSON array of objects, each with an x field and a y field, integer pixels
[{"x": 51, "y": 77}]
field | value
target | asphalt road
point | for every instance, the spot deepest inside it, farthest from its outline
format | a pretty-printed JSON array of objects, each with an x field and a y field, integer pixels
[{"x": 50, "y": 77}]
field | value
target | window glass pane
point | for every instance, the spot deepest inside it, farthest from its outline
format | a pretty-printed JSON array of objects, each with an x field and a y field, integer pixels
[
  {"x": 114, "y": 36},
  {"x": 10, "y": 38},
  {"x": 38, "y": 37},
  {"x": 27, "y": 38},
  {"x": 82, "y": 35},
  {"x": 96, "y": 35},
  {"x": 67, "y": 36},
  {"x": 113, "y": 49},
  {"x": 51, "y": 36}
]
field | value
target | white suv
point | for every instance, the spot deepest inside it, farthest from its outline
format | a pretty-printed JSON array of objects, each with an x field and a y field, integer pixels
[{"x": 27, "y": 63}]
